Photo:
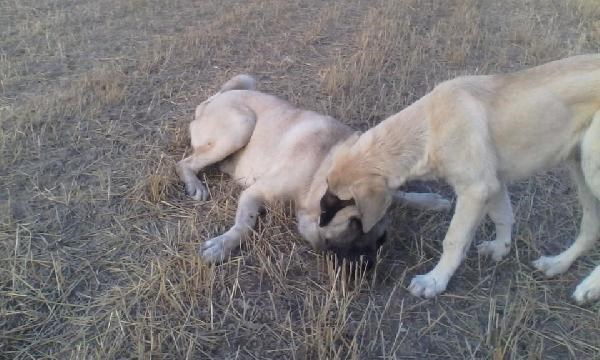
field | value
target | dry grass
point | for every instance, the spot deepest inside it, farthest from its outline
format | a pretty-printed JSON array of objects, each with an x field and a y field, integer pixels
[{"x": 97, "y": 240}]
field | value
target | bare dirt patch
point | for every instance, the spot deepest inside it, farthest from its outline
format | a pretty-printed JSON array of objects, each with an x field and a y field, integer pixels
[{"x": 97, "y": 240}]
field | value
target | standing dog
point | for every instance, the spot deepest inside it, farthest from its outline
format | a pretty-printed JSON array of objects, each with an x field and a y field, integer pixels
[
  {"x": 478, "y": 133},
  {"x": 278, "y": 152}
]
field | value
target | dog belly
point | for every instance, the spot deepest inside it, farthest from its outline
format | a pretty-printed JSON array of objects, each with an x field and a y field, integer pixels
[
  {"x": 512, "y": 171},
  {"x": 518, "y": 161},
  {"x": 536, "y": 136},
  {"x": 244, "y": 172}
]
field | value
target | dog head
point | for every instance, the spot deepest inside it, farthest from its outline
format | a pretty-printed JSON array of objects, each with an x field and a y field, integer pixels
[
  {"x": 342, "y": 233},
  {"x": 353, "y": 207},
  {"x": 351, "y": 180}
]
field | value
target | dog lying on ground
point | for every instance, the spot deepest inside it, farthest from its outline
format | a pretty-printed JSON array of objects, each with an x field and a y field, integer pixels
[
  {"x": 478, "y": 133},
  {"x": 278, "y": 152}
]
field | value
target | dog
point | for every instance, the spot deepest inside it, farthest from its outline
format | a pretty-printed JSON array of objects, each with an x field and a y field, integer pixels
[
  {"x": 479, "y": 133},
  {"x": 278, "y": 152}
]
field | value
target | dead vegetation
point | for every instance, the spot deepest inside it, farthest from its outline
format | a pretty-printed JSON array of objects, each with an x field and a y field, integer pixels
[{"x": 97, "y": 240}]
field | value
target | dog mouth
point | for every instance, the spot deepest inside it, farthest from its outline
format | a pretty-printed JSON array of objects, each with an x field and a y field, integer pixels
[
  {"x": 359, "y": 257},
  {"x": 355, "y": 260}
]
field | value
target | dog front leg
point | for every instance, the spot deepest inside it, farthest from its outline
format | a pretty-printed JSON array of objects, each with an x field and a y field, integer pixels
[
  {"x": 470, "y": 206},
  {"x": 589, "y": 289},
  {"x": 217, "y": 249}
]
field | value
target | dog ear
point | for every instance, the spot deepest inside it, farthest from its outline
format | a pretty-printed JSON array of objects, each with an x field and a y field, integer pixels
[{"x": 372, "y": 199}]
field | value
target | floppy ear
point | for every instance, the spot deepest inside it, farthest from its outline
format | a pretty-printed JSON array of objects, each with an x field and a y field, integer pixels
[{"x": 372, "y": 198}]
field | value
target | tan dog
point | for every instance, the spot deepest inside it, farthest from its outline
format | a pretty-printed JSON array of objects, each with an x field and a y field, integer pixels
[
  {"x": 478, "y": 133},
  {"x": 278, "y": 153}
]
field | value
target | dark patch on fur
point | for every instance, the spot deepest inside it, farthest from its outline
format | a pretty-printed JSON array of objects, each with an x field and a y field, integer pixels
[{"x": 330, "y": 205}]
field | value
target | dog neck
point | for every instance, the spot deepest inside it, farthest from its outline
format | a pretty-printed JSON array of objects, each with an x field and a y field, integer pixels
[{"x": 396, "y": 147}]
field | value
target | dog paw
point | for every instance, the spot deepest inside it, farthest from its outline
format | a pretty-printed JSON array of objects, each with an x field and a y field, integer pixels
[
  {"x": 196, "y": 190},
  {"x": 588, "y": 290},
  {"x": 214, "y": 250},
  {"x": 551, "y": 265},
  {"x": 428, "y": 285},
  {"x": 496, "y": 249}
]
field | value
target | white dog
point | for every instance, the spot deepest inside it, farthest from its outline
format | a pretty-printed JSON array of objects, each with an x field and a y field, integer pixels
[
  {"x": 278, "y": 153},
  {"x": 478, "y": 133}
]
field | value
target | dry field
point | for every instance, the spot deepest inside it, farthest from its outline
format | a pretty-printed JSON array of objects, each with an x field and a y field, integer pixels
[{"x": 97, "y": 240}]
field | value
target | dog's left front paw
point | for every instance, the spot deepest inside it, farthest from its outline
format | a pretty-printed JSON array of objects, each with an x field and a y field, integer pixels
[
  {"x": 214, "y": 250},
  {"x": 428, "y": 285}
]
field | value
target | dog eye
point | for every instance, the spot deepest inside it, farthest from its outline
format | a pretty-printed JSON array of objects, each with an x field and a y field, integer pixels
[{"x": 355, "y": 222}]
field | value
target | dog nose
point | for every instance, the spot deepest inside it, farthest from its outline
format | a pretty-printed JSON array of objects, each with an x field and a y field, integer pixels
[{"x": 382, "y": 239}]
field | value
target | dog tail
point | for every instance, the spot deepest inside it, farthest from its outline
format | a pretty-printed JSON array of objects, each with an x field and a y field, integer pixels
[
  {"x": 239, "y": 82},
  {"x": 590, "y": 155}
]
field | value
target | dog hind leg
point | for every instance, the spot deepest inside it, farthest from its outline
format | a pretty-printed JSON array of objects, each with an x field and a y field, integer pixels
[
  {"x": 589, "y": 229},
  {"x": 586, "y": 175},
  {"x": 590, "y": 155},
  {"x": 589, "y": 288},
  {"x": 500, "y": 211},
  {"x": 213, "y": 138}
]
